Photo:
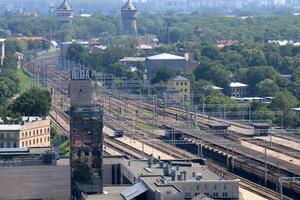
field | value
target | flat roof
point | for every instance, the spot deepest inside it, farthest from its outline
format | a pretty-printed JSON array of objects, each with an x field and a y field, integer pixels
[
  {"x": 10, "y": 127},
  {"x": 138, "y": 167},
  {"x": 165, "y": 56}
]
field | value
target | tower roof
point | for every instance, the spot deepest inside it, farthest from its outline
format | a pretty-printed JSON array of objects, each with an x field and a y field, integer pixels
[
  {"x": 129, "y": 6},
  {"x": 65, "y": 6}
]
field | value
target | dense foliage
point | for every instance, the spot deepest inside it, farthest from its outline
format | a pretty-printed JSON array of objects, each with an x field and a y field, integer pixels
[
  {"x": 181, "y": 27},
  {"x": 34, "y": 102}
]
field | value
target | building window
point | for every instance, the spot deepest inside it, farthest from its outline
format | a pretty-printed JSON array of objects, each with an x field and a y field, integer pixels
[
  {"x": 41, "y": 140},
  {"x": 224, "y": 186},
  {"x": 37, "y": 140},
  {"x": 185, "y": 83},
  {"x": 48, "y": 138},
  {"x": 225, "y": 194},
  {"x": 26, "y": 143},
  {"x": 33, "y": 132},
  {"x": 1, "y": 145},
  {"x": 7, "y": 135},
  {"x": 33, "y": 141},
  {"x": 177, "y": 83},
  {"x": 181, "y": 83},
  {"x": 185, "y": 90},
  {"x": 8, "y": 145},
  {"x": 22, "y": 135},
  {"x": 45, "y": 139},
  {"x": 15, "y": 145},
  {"x": 26, "y": 134},
  {"x": 29, "y": 133},
  {"x": 22, "y": 144},
  {"x": 2, "y": 136},
  {"x": 48, "y": 130}
]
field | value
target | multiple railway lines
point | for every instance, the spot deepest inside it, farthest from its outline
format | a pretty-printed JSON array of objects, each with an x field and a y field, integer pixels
[{"x": 125, "y": 111}]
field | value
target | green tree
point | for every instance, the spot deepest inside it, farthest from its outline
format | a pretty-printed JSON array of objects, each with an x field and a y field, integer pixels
[
  {"x": 266, "y": 87},
  {"x": 34, "y": 102}
]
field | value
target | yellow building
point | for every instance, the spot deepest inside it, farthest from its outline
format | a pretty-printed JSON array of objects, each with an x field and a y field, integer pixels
[
  {"x": 32, "y": 132},
  {"x": 179, "y": 88}
]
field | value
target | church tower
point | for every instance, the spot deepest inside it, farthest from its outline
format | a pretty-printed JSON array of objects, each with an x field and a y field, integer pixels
[
  {"x": 129, "y": 15},
  {"x": 65, "y": 12}
]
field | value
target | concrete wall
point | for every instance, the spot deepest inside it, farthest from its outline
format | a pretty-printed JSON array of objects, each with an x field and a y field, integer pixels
[
  {"x": 154, "y": 65},
  {"x": 35, "y": 182},
  {"x": 216, "y": 189}
]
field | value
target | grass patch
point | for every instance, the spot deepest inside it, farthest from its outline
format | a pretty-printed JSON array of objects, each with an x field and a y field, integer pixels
[
  {"x": 146, "y": 127},
  {"x": 26, "y": 82}
]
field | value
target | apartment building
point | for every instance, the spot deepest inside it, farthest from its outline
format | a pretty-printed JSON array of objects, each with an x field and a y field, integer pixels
[{"x": 30, "y": 132}]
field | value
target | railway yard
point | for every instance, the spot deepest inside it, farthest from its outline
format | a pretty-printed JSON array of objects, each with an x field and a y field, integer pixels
[{"x": 168, "y": 132}]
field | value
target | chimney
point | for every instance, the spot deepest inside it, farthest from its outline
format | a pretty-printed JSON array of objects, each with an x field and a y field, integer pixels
[{"x": 183, "y": 173}]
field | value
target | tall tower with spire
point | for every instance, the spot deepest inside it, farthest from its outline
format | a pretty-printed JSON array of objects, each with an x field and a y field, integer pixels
[
  {"x": 65, "y": 12},
  {"x": 129, "y": 15}
]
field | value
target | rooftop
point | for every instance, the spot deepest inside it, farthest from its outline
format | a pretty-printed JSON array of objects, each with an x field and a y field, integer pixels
[
  {"x": 129, "y": 6},
  {"x": 237, "y": 84},
  {"x": 65, "y": 6},
  {"x": 10, "y": 127},
  {"x": 178, "y": 78},
  {"x": 133, "y": 59},
  {"x": 165, "y": 56}
]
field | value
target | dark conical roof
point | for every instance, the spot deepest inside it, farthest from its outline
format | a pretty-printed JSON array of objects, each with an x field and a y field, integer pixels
[
  {"x": 65, "y": 6},
  {"x": 129, "y": 6}
]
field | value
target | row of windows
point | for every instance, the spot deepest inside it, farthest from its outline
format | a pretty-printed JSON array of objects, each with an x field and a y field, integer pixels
[
  {"x": 35, "y": 132},
  {"x": 8, "y": 145},
  {"x": 35, "y": 141},
  {"x": 8, "y": 135},
  {"x": 215, "y": 194},
  {"x": 64, "y": 14},
  {"x": 181, "y": 90},
  {"x": 181, "y": 83},
  {"x": 215, "y": 187}
]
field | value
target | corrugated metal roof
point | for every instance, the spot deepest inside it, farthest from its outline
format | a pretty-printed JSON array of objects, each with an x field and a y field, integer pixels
[{"x": 165, "y": 56}]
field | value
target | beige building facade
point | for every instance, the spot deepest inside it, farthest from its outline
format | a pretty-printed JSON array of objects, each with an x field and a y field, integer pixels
[
  {"x": 179, "y": 88},
  {"x": 34, "y": 133}
]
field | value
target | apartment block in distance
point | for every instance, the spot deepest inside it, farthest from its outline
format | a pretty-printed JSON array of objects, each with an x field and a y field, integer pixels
[{"x": 29, "y": 132}]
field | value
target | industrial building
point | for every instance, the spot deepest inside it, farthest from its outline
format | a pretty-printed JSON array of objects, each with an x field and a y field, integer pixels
[
  {"x": 156, "y": 179},
  {"x": 165, "y": 60},
  {"x": 28, "y": 132},
  {"x": 86, "y": 136},
  {"x": 33, "y": 173}
]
